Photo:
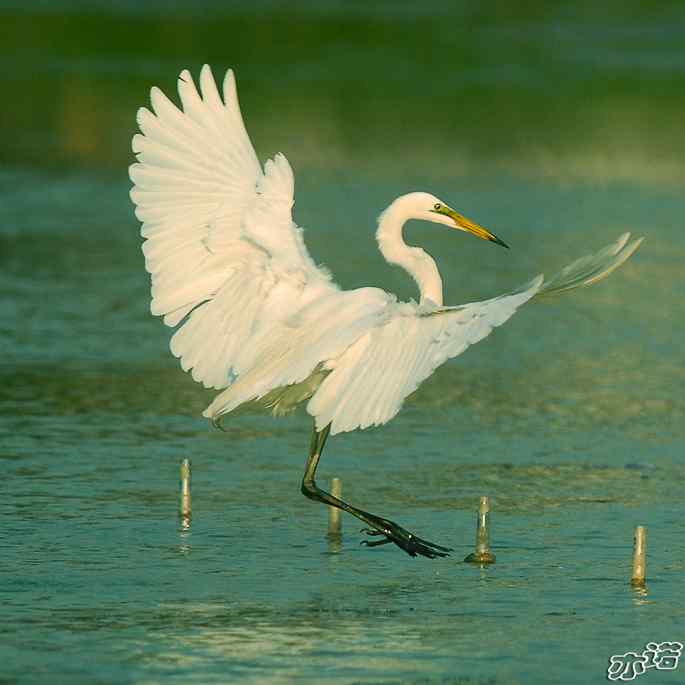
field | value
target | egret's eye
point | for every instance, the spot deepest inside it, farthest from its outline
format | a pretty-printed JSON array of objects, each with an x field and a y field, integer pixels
[{"x": 437, "y": 206}]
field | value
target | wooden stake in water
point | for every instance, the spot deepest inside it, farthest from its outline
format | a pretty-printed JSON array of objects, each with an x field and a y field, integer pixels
[
  {"x": 483, "y": 553},
  {"x": 639, "y": 557},
  {"x": 334, "y": 518},
  {"x": 186, "y": 510}
]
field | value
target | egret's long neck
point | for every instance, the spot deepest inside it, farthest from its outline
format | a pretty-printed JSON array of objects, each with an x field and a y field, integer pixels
[{"x": 418, "y": 263}]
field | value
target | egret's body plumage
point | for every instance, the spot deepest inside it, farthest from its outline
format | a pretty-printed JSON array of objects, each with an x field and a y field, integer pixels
[{"x": 259, "y": 320}]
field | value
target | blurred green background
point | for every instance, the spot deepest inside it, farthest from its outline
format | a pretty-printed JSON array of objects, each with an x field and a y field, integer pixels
[{"x": 560, "y": 91}]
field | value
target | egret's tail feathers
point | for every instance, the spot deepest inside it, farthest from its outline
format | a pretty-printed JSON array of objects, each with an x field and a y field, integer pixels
[{"x": 591, "y": 268}]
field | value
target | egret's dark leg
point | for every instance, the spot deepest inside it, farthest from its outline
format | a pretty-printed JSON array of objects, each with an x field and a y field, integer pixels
[{"x": 409, "y": 542}]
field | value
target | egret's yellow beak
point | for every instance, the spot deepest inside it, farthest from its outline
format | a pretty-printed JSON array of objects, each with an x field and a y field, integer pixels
[{"x": 470, "y": 226}]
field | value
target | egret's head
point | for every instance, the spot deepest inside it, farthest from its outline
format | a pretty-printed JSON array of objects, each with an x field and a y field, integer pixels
[{"x": 429, "y": 208}]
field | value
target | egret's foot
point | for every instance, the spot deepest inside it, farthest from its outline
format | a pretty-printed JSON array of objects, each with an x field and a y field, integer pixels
[{"x": 410, "y": 543}]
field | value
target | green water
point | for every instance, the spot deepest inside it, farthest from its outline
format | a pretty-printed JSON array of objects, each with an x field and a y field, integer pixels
[{"x": 556, "y": 127}]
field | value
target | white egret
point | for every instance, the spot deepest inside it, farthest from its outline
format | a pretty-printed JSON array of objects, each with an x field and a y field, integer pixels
[{"x": 260, "y": 320}]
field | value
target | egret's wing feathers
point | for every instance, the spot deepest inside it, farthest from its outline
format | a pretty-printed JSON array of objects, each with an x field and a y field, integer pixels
[
  {"x": 591, "y": 268},
  {"x": 221, "y": 245},
  {"x": 372, "y": 378}
]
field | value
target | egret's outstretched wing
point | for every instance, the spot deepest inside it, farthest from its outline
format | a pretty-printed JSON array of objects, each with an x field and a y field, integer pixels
[
  {"x": 221, "y": 245},
  {"x": 371, "y": 379}
]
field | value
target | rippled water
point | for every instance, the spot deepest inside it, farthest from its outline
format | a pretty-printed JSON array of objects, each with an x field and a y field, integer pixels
[{"x": 556, "y": 130}]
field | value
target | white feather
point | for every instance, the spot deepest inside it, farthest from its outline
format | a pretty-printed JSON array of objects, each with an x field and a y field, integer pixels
[{"x": 219, "y": 232}]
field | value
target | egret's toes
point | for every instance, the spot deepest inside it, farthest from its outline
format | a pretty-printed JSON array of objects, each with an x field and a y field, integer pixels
[
  {"x": 407, "y": 541},
  {"x": 376, "y": 543}
]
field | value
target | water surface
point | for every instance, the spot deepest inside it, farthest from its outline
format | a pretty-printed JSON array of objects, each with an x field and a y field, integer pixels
[{"x": 556, "y": 129}]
